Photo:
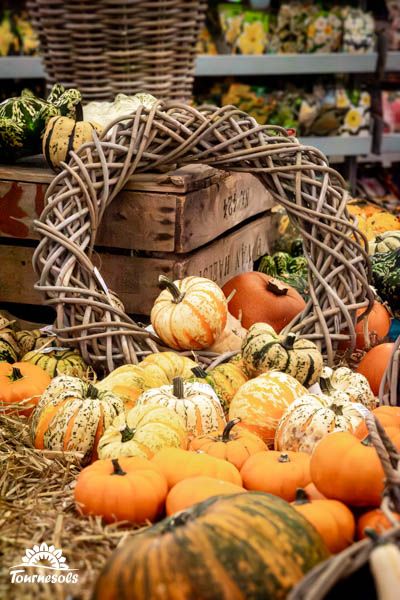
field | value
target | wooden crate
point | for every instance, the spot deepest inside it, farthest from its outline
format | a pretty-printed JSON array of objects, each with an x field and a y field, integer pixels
[{"x": 194, "y": 221}]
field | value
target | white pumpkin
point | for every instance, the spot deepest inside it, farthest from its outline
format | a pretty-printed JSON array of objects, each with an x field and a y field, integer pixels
[
  {"x": 231, "y": 338},
  {"x": 354, "y": 385},
  {"x": 195, "y": 402},
  {"x": 311, "y": 417}
]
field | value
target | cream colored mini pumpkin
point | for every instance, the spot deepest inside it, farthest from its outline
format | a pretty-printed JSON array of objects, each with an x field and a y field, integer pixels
[
  {"x": 231, "y": 338},
  {"x": 354, "y": 385},
  {"x": 196, "y": 403},
  {"x": 311, "y": 417},
  {"x": 190, "y": 314},
  {"x": 127, "y": 381},
  {"x": 143, "y": 431},
  {"x": 161, "y": 368},
  {"x": 264, "y": 350}
]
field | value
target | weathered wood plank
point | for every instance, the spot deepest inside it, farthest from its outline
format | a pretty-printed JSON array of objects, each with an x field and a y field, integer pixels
[{"x": 135, "y": 278}]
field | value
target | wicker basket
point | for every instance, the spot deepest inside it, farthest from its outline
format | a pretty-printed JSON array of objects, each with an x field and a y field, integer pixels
[{"x": 113, "y": 46}]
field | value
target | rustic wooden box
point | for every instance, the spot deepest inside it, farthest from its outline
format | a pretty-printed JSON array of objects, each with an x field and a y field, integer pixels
[{"x": 194, "y": 221}]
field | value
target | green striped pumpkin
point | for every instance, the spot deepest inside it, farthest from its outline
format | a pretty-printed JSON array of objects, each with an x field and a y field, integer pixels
[
  {"x": 58, "y": 361},
  {"x": 245, "y": 546},
  {"x": 9, "y": 349},
  {"x": 264, "y": 350},
  {"x": 32, "y": 339},
  {"x": 63, "y": 135}
]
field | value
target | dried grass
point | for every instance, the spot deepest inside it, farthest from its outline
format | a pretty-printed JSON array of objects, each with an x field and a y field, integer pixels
[{"x": 36, "y": 505}]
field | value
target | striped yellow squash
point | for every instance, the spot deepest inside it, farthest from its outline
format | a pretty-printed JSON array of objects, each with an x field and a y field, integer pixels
[
  {"x": 63, "y": 135},
  {"x": 57, "y": 362}
]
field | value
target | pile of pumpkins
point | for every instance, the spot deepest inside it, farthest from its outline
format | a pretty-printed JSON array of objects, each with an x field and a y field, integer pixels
[{"x": 269, "y": 436}]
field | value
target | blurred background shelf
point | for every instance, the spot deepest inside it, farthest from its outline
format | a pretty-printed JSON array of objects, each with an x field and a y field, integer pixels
[
  {"x": 392, "y": 61},
  {"x": 21, "y": 67},
  {"x": 285, "y": 64},
  {"x": 390, "y": 143},
  {"x": 338, "y": 145}
]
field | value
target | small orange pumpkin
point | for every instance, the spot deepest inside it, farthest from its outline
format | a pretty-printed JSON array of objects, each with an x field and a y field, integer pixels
[
  {"x": 233, "y": 446},
  {"x": 177, "y": 464},
  {"x": 345, "y": 469},
  {"x": 374, "y": 519},
  {"x": 260, "y": 298},
  {"x": 277, "y": 473},
  {"x": 196, "y": 489},
  {"x": 389, "y": 418},
  {"x": 21, "y": 385},
  {"x": 126, "y": 489},
  {"x": 374, "y": 363},
  {"x": 332, "y": 519},
  {"x": 378, "y": 325}
]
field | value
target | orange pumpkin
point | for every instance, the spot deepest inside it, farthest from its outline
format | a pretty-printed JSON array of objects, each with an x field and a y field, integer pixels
[
  {"x": 234, "y": 446},
  {"x": 378, "y": 325},
  {"x": 374, "y": 519},
  {"x": 177, "y": 464},
  {"x": 196, "y": 489},
  {"x": 260, "y": 298},
  {"x": 126, "y": 489},
  {"x": 21, "y": 385},
  {"x": 343, "y": 468},
  {"x": 313, "y": 493},
  {"x": 332, "y": 519},
  {"x": 389, "y": 418},
  {"x": 190, "y": 313},
  {"x": 277, "y": 473},
  {"x": 261, "y": 402},
  {"x": 374, "y": 363}
]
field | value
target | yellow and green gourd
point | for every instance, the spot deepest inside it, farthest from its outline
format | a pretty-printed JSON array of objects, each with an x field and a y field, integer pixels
[{"x": 63, "y": 135}]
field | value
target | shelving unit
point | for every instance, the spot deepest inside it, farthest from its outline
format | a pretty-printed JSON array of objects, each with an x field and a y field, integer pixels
[
  {"x": 390, "y": 143},
  {"x": 21, "y": 67},
  {"x": 392, "y": 61},
  {"x": 285, "y": 64},
  {"x": 338, "y": 145}
]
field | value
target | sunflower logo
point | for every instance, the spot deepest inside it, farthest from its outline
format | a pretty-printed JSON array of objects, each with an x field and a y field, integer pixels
[{"x": 44, "y": 556}]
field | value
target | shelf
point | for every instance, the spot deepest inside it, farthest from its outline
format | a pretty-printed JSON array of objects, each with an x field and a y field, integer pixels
[
  {"x": 390, "y": 143},
  {"x": 392, "y": 61},
  {"x": 285, "y": 64},
  {"x": 338, "y": 145},
  {"x": 21, "y": 67}
]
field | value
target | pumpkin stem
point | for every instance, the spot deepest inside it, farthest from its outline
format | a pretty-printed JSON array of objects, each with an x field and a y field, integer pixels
[
  {"x": 284, "y": 458},
  {"x": 289, "y": 341},
  {"x": 178, "y": 388},
  {"x": 127, "y": 434},
  {"x": 166, "y": 283},
  {"x": 117, "y": 467},
  {"x": 337, "y": 409},
  {"x": 277, "y": 287},
  {"x": 15, "y": 374},
  {"x": 199, "y": 372},
  {"x": 92, "y": 392},
  {"x": 326, "y": 385},
  {"x": 302, "y": 497},
  {"x": 227, "y": 430}
]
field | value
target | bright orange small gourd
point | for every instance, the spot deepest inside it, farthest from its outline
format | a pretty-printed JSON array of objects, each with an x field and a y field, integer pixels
[
  {"x": 277, "y": 473},
  {"x": 177, "y": 464},
  {"x": 234, "y": 446},
  {"x": 22, "y": 384},
  {"x": 374, "y": 363},
  {"x": 332, "y": 519},
  {"x": 345, "y": 469},
  {"x": 389, "y": 418},
  {"x": 378, "y": 325},
  {"x": 196, "y": 489},
  {"x": 374, "y": 519},
  {"x": 260, "y": 298},
  {"x": 126, "y": 489}
]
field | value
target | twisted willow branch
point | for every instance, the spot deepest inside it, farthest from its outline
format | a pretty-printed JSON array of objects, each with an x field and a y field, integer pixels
[{"x": 165, "y": 136}]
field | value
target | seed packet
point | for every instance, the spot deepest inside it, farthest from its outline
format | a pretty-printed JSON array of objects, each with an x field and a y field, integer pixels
[
  {"x": 324, "y": 32},
  {"x": 394, "y": 24},
  {"x": 391, "y": 111},
  {"x": 253, "y": 38},
  {"x": 357, "y": 119},
  {"x": 358, "y": 31},
  {"x": 205, "y": 43},
  {"x": 231, "y": 19}
]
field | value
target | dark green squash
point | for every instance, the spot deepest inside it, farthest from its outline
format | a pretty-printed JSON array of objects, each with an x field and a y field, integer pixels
[
  {"x": 386, "y": 278},
  {"x": 292, "y": 270},
  {"x": 250, "y": 546}
]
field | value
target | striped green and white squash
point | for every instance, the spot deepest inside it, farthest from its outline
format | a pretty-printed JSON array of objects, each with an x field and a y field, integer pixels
[
  {"x": 32, "y": 339},
  {"x": 384, "y": 242},
  {"x": 264, "y": 350},
  {"x": 243, "y": 546},
  {"x": 57, "y": 361},
  {"x": 311, "y": 417},
  {"x": 63, "y": 135},
  {"x": 9, "y": 348},
  {"x": 196, "y": 403},
  {"x": 72, "y": 416}
]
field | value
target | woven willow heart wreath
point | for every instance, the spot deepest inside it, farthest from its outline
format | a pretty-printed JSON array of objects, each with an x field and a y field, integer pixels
[{"x": 167, "y": 135}]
